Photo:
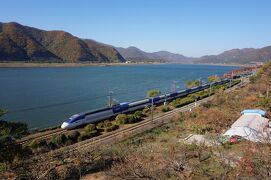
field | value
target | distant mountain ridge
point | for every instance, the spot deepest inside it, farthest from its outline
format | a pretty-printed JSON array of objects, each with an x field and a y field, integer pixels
[
  {"x": 23, "y": 43},
  {"x": 238, "y": 56},
  {"x": 134, "y": 54},
  {"x": 241, "y": 56}
]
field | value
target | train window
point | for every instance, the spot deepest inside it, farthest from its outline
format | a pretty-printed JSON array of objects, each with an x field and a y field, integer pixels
[{"x": 75, "y": 118}]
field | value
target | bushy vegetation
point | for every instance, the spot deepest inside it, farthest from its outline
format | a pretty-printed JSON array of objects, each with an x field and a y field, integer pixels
[
  {"x": 90, "y": 127},
  {"x": 136, "y": 117},
  {"x": 57, "y": 141},
  {"x": 153, "y": 93},
  {"x": 166, "y": 109},
  {"x": 182, "y": 101},
  {"x": 9, "y": 148},
  {"x": 87, "y": 134},
  {"x": 213, "y": 78},
  {"x": 192, "y": 83},
  {"x": 73, "y": 136},
  {"x": 121, "y": 119},
  {"x": 12, "y": 128}
]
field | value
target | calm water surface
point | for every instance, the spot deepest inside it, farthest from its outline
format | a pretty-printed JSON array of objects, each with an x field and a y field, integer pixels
[{"x": 43, "y": 97}]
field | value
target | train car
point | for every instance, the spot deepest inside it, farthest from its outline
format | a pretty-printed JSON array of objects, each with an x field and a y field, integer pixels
[
  {"x": 81, "y": 119},
  {"x": 120, "y": 107},
  {"x": 141, "y": 102},
  {"x": 107, "y": 112}
]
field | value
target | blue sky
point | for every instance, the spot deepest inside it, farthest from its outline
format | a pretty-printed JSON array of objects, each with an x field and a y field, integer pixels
[{"x": 189, "y": 27}]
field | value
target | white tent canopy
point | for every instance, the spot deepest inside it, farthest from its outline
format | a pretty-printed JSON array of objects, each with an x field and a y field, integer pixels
[{"x": 251, "y": 127}]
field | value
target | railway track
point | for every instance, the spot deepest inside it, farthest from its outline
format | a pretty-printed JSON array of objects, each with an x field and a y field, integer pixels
[
  {"x": 124, "y": 133},
  {"x": 41, "y": 135},
  {"x": 128, "y": 131},
  {"x": 49, "y": 134}
]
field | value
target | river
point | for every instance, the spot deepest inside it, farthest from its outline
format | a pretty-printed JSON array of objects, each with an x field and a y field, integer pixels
[{"x": 43, "y": 97}]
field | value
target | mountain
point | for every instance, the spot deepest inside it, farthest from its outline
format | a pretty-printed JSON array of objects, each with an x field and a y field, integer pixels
[
  {"x": 23, "y": 43},
  {"x": 238, "y": 56},
  {"x": 135, "y": 54},
  {"x": 241, "y": 56}
]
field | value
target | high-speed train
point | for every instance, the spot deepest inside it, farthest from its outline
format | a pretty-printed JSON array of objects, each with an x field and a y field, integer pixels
[{"x": 107, "y": 112}]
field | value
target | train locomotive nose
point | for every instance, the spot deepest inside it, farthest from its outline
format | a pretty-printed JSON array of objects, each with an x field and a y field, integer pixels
[{"x": 64, "y": 125}]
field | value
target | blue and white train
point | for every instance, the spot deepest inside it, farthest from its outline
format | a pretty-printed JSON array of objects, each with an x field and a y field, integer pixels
[{"x": 107, "y": 112}]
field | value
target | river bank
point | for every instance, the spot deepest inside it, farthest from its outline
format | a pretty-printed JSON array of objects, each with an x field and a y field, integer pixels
[{"x": 39, "y": 65}]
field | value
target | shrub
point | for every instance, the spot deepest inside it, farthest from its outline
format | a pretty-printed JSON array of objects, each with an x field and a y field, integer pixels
[
  {"x": 42, "y": 142},
  {"x": 121, "y": 119},
  {"x": 201, "y": 129},
  {"x": 9, "y": 150},
  {"x": 37, "y": 143},
  {"x": 100, "y": 125},
  {"x": 182, "y": 102},
  {"x": 138, "y": 114},
  {"x": 146, "y": 111},
  {"x": 12, "y": 128},
  {"x": 33, "y": 144},
  {"x": 86, "y": 135},
  {"x": 253, "y": 79},
  {"x": 62, "y": 138},
  {"x": 73, "y": 136},
  {"x": 207, "y": 104},
  {"x": 57, "y": 141},
  {"x": 105, "y": 124},
  {"x": 83, "y": 136},
  {"x": 90, "y": 127},
  {"x": 133, "y": 118},
  {"x": 165, "y": 109},
  {"x": 153, "y": 93},
  {"x": 111, "y": 128}
]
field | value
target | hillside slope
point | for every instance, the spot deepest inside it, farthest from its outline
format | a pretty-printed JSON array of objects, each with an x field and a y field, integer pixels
[
  {"x": 240, "y": 56},
  {"x": 135, "y": 54},
  {"x": 23, "y": 43}
]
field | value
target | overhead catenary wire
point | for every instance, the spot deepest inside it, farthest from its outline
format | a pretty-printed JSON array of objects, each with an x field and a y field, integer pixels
[{"x": 82, "y": 99}]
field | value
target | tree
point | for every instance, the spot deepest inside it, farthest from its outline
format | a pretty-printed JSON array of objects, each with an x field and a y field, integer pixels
[
  {"x": 213, "y": 78},
  {"x": 153, "y": 93},
  {"x": 90, "y": 127},
  {"x": 121, "y": 119},
  {"x": 9, "y": 149},
  {"x": 191, "y": 83},
  {"x": 197, "y": 82},
  {"x": 2, "y": 112},
  {"x": 11, "y": 128}
]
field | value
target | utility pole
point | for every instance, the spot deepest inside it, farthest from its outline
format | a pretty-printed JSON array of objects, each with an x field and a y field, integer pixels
[
  {"x": 200, "y": 81},
  {"x": 174, "y": 86},
  {"x": 110, "y": 99},
  {"x": 210, "y": 91},
  {"x": 165, "y": 102},
  {"x": 231, "y": 78},
  {"x": 152, "y": 109}
]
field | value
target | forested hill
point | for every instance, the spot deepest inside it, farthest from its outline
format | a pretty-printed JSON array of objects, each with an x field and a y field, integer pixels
[
  {"x": 23, "y": 43},
  {"x": 135, "y": 54},
  {"x": 241, "y": 56}
]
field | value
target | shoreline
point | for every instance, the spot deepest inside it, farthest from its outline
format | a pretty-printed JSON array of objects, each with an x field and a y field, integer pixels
[{"x": 40, "y": 65}]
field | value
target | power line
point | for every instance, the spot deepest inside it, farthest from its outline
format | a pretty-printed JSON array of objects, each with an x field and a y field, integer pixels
[
  {"x": 71, "y": 102},
  {"x": 80, "y": 100}
]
